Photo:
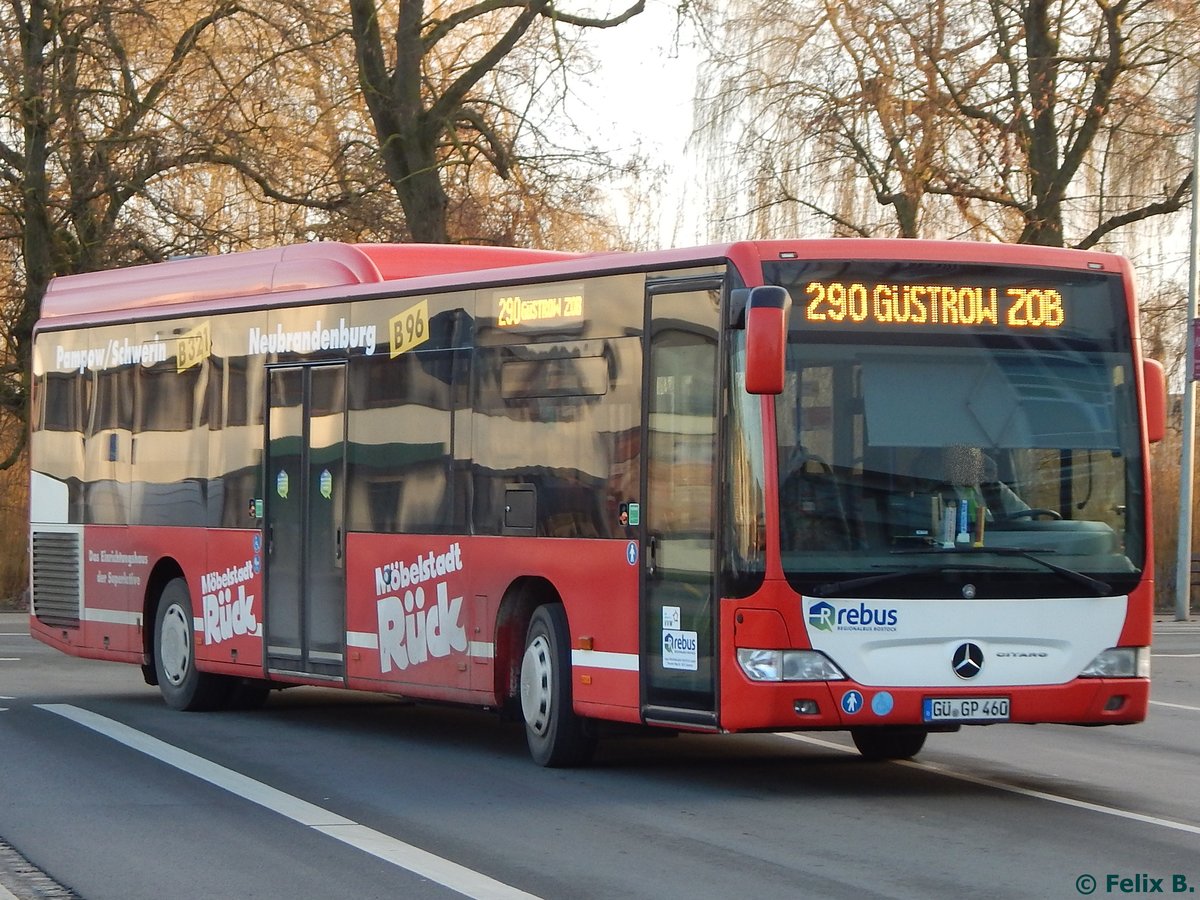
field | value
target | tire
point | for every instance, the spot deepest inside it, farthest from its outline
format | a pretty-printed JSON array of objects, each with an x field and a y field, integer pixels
[
  {"x": 557, "y": 737},
  {"x": 181, "y": 685},
  {"x": 888, "y": 743}
]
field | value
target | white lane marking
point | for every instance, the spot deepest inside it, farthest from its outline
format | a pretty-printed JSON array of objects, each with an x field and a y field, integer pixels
[
  {"x": 1011, "y": 788},
  {"x": 1176, "y": 655},
  {"x": 420, "y": 862},
  {"x": 1174, "y": 705},
  {"x": 10, "y": 659}
]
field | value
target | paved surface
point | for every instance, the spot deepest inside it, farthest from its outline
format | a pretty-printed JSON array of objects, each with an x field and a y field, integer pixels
[{"x": 286, "y": 802}]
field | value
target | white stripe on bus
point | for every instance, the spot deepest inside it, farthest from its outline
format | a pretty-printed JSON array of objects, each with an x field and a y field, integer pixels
[
  {"x": 364, "y": 640},
  {"x": 369, "y": 640},
  {"x": 596, "y": 659},
  {"x": 113, "y": 616}
]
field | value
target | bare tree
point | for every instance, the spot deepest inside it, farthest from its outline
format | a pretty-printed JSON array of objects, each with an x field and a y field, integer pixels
[
  {"x": 1040, "y": 121},
  {"x": 131, "y": 130},
  {"x": 81, "y": 134},
  {"x": 423, "y": 88},
  {"x": 116, "y": 124}
]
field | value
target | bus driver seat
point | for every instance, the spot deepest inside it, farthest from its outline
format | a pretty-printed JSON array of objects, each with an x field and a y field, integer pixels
[{"x": 812, "y": 514}]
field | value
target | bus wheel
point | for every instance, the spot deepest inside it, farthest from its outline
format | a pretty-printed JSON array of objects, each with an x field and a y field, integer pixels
[
  {"x": 182, "y": 686},
  {"x": 888, "y": 743},
  {"x": 556, "y": 736}
]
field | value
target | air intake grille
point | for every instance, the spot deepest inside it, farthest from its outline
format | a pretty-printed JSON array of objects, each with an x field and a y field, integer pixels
[{"x": 56, "y": 577}]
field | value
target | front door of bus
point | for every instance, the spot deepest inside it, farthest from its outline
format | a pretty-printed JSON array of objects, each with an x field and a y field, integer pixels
[
  {"x": 679, "y": 440},
  {"x": 305, "y": 501}
]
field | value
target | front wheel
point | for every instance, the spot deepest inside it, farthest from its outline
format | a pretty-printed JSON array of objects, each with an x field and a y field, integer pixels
[
  {"x": 556, "y": 736},
  {"x": 182, "y": 686},
  {"x": 888, "y": 743}
]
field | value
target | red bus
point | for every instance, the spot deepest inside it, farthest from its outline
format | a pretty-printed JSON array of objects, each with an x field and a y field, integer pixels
[{"x": 889, "y": 487}]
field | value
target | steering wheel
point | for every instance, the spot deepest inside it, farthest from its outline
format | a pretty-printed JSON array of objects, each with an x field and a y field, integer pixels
[{"x": 1033, "y": 513}]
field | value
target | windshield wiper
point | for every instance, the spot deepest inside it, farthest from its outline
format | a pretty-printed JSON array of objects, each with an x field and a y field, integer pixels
[
  {"x": 833, "y": 588},
  {"x": 850, "y": 584},
  {"x": 1100, "y": 588}
]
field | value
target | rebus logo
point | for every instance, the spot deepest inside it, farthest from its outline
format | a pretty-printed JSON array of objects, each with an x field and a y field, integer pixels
[
  {"x": 824, "y": 616},
  {"x": 679, "y": 641}
]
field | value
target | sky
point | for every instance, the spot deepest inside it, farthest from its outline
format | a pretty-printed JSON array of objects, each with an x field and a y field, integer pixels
[{"x": 640, "y": 99}]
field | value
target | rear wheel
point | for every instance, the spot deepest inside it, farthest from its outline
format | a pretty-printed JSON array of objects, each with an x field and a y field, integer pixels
[
  {"x": 182, "y": 686},
  {"x": 556, "y": 736},
  {"x": 888, "y": 743}
]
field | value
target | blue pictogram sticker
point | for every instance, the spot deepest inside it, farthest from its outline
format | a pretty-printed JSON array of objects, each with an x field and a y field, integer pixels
[
  {"x": 852, "y": 702},
  {"x": 882, "y": 703},
  {"x": 631, "y": 553}
]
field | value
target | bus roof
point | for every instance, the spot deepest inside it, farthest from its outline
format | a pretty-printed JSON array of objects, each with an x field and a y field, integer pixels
[
  {"x": 296, "y": 267},
  {"x": 301, "y": 272}
]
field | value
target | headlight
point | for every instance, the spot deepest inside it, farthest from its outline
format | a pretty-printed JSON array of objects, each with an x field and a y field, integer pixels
[
  {"x": 1119, "y": 662},
  {"x": 788, "y": 665}
]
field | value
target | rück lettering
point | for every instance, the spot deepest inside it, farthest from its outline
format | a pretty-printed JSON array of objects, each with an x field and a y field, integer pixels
[
  {"x": 410, "y": 633},
  {"x": 227, "y": 615}
]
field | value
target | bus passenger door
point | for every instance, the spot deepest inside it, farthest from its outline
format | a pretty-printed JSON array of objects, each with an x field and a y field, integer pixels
[
  {"x": 305, "y": 519},
  {"x": 679, "y": 441}
]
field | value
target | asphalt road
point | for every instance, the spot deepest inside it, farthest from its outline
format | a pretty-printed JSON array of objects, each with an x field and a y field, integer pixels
[{"x": 329, "y": 794}]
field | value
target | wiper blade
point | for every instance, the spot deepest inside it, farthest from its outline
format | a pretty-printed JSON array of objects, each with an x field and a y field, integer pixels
[
  {"x": 1100, "y": 588},
  {"x": 834, "y": 588}
]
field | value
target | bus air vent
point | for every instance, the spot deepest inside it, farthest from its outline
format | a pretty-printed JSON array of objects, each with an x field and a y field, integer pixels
[{"x": 56, "y": 578}]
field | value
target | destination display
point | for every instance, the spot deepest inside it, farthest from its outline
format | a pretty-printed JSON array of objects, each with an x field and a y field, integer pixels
[
  {"x": 910, "y": 297},
  {"x": 933, "y": 304},
  {"x": 539, "y": 306}
]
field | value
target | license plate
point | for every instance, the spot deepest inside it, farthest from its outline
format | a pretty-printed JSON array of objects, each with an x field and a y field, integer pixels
[{"x": 966, "y": 709}]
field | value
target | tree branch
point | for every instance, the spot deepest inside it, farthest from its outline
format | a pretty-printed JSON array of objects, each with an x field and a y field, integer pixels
[{"x": 1179, "y": 198}]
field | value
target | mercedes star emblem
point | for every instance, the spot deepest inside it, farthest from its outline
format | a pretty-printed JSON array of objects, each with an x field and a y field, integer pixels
[{"x": 967, "y": 661}]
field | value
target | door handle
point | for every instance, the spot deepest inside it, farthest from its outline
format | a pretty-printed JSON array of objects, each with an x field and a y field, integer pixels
[{"x": 651, "y": 555}]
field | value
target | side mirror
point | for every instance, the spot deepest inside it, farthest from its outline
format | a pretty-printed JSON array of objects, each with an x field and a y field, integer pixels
[
  {"x": 766, "y": 339},
  {"x": 1154, "y": 386}
]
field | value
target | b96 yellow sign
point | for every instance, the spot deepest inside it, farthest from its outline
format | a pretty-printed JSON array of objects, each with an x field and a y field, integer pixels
[{"x": 409, "y": 329}]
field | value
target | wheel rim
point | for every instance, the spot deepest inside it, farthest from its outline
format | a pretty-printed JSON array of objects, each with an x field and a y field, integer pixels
[
  {"x": 537, "y": 674},
  {"x": 175, "y": 646}
]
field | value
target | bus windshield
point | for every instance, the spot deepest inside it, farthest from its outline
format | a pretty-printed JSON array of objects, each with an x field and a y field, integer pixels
[{"x": 958, "y": 430}]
